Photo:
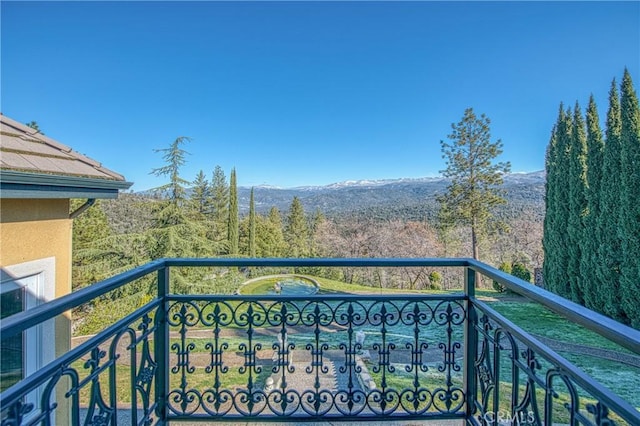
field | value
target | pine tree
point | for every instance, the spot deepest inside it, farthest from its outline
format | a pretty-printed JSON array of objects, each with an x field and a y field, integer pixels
[
  {"x": 200, "y": 194},
  {"x": 243, "y": 236},
  {"x": 272, "y": 240},
  {"x": 609, "y": 245},
  {"x": 577, "y": 180},
  {"x": 592, "y": 286},
  {"x": 232, "y": 230},
  {"x": 316, "y": 223},
  {"x": 252, "y": 226},
  {"x": 474, "y": 191},
  {"x": 88, "y": 261},
  {"x": 34, "y": 125},
  {"x": 171, "y": 212},
  {"x": 103, "y": 247},
  {"x": 629, "y": 230},
  {"x": 296, "y": 230},
  {"x": 90, "y": 226},
  {"x": 219, "y": 196},
  {"x": 174, "y": 234},
  {"x": 219, "y": 208},
  {"x": 174, "y": 157}
]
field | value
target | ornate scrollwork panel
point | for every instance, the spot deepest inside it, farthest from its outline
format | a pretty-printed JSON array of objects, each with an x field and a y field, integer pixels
[{"x": 319, "y": 359}]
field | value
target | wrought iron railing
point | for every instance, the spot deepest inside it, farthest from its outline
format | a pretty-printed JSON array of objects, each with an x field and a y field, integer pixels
[{"x": 312, "y": 358}]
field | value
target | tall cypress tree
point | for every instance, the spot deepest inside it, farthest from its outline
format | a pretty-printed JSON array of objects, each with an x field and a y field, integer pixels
[
  {"x": 549, "y": 238},
  {"x": 252, "y": 226},
  {"x": 629, "y": 230},
  {"x": 577, "y": 204},
  {"x": 592, "y": 286},
  {"x": 562, "y": 205},
  {"x": 609, "y": 245},
  {"x": 232, "y": 230}
]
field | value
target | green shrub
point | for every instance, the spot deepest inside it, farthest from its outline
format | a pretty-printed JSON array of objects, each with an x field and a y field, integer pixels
[
  {"x": 517, "y": 269},
  {"x": 520, "y": 271},
  {"x": 504, "y": 267},
  {"x": 435, "y": 280}
]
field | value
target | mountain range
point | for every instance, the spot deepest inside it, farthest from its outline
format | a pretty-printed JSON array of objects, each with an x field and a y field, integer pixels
[{"x": 398, "y": 198}]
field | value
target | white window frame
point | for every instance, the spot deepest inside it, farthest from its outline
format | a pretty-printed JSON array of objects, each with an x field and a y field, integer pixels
[{"x": 38, "y": 278}]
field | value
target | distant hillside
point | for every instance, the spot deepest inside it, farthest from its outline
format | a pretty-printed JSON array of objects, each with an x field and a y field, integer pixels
[
  {"x": 400, "y": 198},
  {"x": 408, "y": 199}
]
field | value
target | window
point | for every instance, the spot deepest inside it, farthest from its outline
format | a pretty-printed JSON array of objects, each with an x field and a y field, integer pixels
[
  {"x": 12, "y": 301},
  {"x": 24, "y": 287}
]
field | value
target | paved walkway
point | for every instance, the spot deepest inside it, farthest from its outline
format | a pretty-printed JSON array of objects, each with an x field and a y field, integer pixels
[{"x": 300, "y": 380}]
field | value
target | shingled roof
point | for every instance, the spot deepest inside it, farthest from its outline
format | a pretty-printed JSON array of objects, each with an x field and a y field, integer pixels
[{"x": 34, "y": 165}]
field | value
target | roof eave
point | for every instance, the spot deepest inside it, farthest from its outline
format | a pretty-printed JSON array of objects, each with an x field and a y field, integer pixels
[{"x": 17, "y": 184}]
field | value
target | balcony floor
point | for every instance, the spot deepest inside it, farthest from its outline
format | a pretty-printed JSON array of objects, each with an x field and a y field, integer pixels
[
  {"x": 339, "y": 423},
  {"x": 124, "y": 418}
]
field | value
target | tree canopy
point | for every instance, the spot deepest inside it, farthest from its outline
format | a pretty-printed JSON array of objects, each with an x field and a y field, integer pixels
[
  {"x": 475, "y": 175},
  {"x": 592, "y": 224},
  {"x": 174, "y": 157}
]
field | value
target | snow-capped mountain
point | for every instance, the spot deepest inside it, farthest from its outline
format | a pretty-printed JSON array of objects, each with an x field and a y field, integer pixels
[{"x": 376, "y": 196}]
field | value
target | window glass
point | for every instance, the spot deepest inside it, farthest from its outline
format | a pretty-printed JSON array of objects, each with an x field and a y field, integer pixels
[{"x": 12, "y": 348}]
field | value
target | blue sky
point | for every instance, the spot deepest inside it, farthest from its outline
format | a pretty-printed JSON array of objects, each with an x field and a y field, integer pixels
[{"x": 306, "y": 93}]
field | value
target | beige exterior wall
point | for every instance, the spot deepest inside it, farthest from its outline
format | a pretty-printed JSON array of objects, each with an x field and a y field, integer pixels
[
  {"x": 36, "y": 229},
  {"x": 32, "y": 229}
]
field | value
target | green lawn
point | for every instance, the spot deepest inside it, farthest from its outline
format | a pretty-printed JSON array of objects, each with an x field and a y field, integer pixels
[
  {"x": 621, "y": 378},
  {"x": 328, "y": 286},
  {"x": 541, "y": 321}
]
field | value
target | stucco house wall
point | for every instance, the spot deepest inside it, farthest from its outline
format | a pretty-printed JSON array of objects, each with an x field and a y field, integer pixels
[
  {"x": 38, "y": 178},
  {"x": 38, "y": 229}
]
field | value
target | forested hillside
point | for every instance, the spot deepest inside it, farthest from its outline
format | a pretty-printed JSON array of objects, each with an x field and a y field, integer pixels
[
  {"x": 370, "y": 206},
  {"x": 590, "y": 220},
  {"x": 373, "y": 219},
  {"x": 411, "y": 199}
]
